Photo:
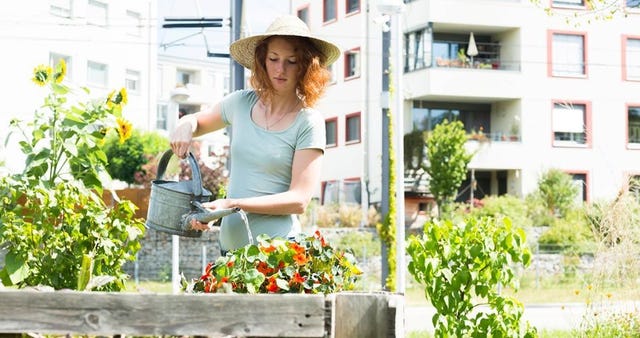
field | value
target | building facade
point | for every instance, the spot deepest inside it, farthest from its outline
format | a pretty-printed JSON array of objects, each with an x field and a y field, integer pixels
[{"x": 534, "y": 91}]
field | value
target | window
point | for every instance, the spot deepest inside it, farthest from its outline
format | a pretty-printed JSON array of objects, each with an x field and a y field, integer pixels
[
  {"x": 631, "y": 59},
  {"x": 97, "y": 74},
  {"x": 352, "y": 123},
  {"x": 329, "y": 10},
  {"x": 331, "y": 192},
  {"x": 633, "y": 3},
  {"x": 353, "y": 6},
  {"x": 568, "y": 3},
  {"x": 185, "y": 77},
  {"x": 342, "y": 191},
  {"x": 580, "y": 181},
  {"x": 132, "y": 81},
  {"x": 417, "y": 49},
  {"x": 568, "y": 57},
  {"x": 570, "y": 124},
  {"x": 97, "y": 13},
  {"x": 61, "y": 8},
  {"x": 332, "y": 73},
  {"x": 633, "y": 125},
  {"x": 55, "y": 58},
  {"x": 133, "y": 24},
  {"x": 352, "y": 191},
  {"x": 427, "y": 114},
  {"x": 303, "y": 14},
  {"x": 331, "y": 126},
  {"x": 162, "y": 114},
  {"x": 352, "y": 63}
]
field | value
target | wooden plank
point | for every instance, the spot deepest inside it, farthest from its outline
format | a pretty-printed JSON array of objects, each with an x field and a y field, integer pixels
[
  {"x": 162, "y": 314},
  {"x": 368, "y": 315}
]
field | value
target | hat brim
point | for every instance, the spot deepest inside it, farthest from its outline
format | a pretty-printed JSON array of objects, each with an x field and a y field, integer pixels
[{"x": 243, "y": 50}]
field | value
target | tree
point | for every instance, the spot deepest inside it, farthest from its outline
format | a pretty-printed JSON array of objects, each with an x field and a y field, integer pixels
[
  {"x": 592, "y": 10},
  {"x": 556, "y": 192},
  {"x": 448, "y": 160}
]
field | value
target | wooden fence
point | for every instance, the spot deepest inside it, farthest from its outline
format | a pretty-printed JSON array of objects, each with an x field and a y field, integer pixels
[{"x": 348, "y": 315}]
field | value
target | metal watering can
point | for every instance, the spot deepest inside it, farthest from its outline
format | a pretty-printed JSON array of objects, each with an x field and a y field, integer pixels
[{"x": 173, "y": 205}]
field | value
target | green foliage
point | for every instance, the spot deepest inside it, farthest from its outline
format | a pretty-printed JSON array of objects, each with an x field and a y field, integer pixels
[
  {"x": 363, "y": 244},
  {"x": 54, "y": 225},
  {"x": 125, "y": 158},
  {"x": 461, "y": 266},
  {"x": 448, "y": 161},
  {"x": 509, "y": 206},
  {"x": 556, "y": 192},
  {"x": 571, "y": 234},
  {"x": 387, "y": 229}
]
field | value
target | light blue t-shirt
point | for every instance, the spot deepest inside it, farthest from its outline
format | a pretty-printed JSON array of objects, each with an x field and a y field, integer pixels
[{"x": 261, "y": 162}]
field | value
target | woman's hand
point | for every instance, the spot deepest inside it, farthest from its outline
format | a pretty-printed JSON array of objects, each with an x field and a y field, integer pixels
[
  {"x": 210, "y": 206},
  {"x": 181, "y": 137}
]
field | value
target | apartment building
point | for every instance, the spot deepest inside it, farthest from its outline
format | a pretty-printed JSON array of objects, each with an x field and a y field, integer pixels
[
  {"x": 534, "y": 91},
  {"x": 106, "y": 45}
]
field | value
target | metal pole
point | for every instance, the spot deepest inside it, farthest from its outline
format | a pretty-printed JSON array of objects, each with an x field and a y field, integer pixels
[
  {"x": 175, "y": 263},
  {"x": 384, "y": 202},
  {"x": 398, "y": 111}
]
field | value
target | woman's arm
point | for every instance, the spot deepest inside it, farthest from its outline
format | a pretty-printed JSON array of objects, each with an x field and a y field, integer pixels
[
  {"x": 305, "y": 175},
  {"x": 190, "y": 126}
]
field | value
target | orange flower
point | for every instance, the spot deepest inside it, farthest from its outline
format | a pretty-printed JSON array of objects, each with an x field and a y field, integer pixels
[
  {"x": 230, "y": 264},
  {"x": 297, "y": 279},
  {"x": 319, "y": 236},
  {"x": 297, "y": 247},
  {"x": 300, "y": 259},
  {"x": 268, "y": 249},
  {"x": 264, "y": 269},
  {"x": 272, "y": 286}
]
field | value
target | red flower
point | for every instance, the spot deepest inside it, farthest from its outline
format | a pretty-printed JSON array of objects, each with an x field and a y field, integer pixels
[
  {"x": 272, "y": 286},
  {"x": 264, "y": 269},
  {"x": 230, "y": 264},
  {"x": 319, "y": 236},
  {"x": 297, "y": 279}
]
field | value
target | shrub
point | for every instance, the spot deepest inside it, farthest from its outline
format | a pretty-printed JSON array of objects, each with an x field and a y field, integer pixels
[{"x": 363, "y": 244}]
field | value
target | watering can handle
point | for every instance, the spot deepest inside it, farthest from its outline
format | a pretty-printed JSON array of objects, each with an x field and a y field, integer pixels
[{"x": 195, "y": 170}]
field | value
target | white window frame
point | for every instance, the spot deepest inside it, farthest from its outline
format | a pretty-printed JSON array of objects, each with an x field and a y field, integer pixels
[
  {"x": 97, "y": 13},
  {"x": 352, "y": 63},
  {"x": 61, "y": 8},
  {"x": 348, "y": 128},
  {"x": 162, "y": 116},
  {"x": 568, "y": 55},
  {"x": 327, "y": 122},
  {"x": 570, "y": 119},
  {"x": 191, "y": 74},
  {"x": 132, "y": 81},
  {"x": 134, "y": 23},
  {"x": 632, "y": 59},
  {"x": 97, "y": 74}
]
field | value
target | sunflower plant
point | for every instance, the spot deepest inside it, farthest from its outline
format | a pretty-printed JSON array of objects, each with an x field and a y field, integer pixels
[
  {"x": 54, "y": 225},
  {"x": 306, "y": 264}
]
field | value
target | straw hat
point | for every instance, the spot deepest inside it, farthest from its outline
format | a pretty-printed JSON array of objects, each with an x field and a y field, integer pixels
[{"x": 243, "y": 50}]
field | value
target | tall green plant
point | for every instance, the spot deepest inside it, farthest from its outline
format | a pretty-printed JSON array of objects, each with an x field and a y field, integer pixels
[
  {"x": 448, "y": 161},
  {"x": 462, "y": 265},
  {"x": 556, "y": 192},
  {"x": 56, "y": 229}
]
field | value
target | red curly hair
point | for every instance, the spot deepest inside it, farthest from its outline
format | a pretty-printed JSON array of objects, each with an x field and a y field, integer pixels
[{"x": 312, "y": 77}]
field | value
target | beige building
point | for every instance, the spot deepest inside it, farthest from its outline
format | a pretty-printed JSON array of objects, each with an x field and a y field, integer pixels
[{"x": 536, "y": 92}]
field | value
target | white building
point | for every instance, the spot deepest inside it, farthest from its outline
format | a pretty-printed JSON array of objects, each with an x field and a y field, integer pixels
[
  {"x": 106, "y": 46},
  {"x": 545, "y": 91}
]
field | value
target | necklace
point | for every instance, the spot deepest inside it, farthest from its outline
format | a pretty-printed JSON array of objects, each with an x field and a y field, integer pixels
[{"x": 266, "y": 118}]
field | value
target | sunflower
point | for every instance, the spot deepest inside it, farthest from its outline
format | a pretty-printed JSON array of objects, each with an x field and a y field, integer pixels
[
  {"x": 61, "y": 71},
  {"x": 117, "y": 98},
  {"x": 124, "y": 129},
  {"x": 41, "y": 74}
]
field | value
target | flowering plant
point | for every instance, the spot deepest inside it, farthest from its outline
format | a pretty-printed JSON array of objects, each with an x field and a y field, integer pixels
[
  {"x": 306, "y": 264},
  {"x": 54, "y": 225}
]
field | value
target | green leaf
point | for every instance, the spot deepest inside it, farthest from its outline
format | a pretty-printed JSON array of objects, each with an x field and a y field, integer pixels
[
  {"x": 86, "y": 270},
  {"x": 15, "y": 269}
]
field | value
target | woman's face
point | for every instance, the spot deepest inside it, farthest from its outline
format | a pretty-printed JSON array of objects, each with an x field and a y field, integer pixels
[{"x": 282, "y": 65}]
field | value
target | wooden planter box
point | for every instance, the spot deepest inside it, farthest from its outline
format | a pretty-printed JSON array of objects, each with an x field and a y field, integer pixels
[{"x": 348, "y": 315}]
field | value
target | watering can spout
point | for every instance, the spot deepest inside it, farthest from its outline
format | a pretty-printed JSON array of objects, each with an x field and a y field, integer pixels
[{"x": 206, "y": 216}]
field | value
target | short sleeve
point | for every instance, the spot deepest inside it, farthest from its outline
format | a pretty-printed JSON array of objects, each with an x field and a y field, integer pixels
[
  {"x": 312, "y": 135},
  {"x": 236, "y": 101}
]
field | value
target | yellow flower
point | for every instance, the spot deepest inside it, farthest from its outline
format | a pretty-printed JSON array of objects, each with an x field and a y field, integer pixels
[
  {"x": 122, "y": 97},
  {"x": 124, "y": 129},
  {"x": 609, "y": 295},
  {"x": 117, "y": 98},
  {"x": 61, "y": 70},
  {"x": 577, "y": 292},
  {"x": 589, "y": 287},
  {"x": 41, "y": 74}
]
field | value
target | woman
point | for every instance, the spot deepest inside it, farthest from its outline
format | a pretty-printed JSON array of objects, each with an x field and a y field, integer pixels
[{"x": 278, "y": 138}]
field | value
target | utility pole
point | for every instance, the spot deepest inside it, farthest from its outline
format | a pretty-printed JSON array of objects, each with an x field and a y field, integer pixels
[{"x": 385, "y": 99}]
